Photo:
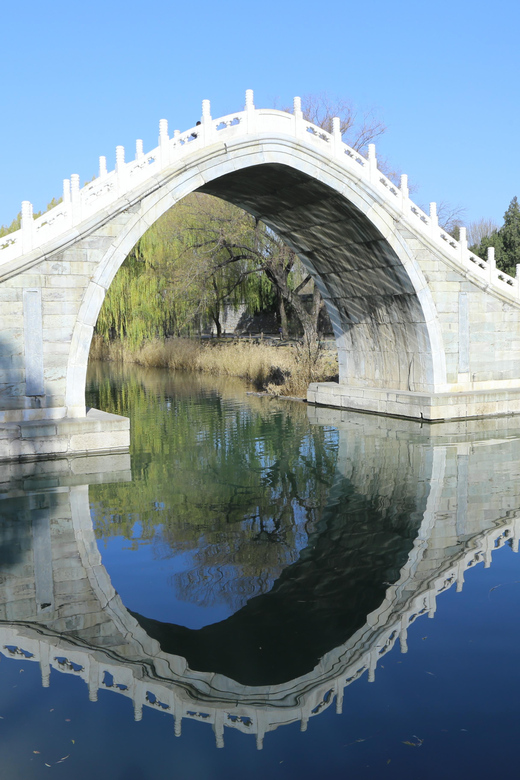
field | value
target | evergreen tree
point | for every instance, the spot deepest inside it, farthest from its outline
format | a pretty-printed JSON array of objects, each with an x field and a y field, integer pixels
[
  {"x": 506, "y": 241},
  {"x": 510, "y": 236}
]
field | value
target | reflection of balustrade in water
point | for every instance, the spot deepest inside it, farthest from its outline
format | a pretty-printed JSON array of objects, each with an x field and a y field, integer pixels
[{"x": 86, "y": 632}]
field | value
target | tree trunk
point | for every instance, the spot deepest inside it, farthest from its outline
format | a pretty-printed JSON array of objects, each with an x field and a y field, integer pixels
[{"x": 283, "y": 317}]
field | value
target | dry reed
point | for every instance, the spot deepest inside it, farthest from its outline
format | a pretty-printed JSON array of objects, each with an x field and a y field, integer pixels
[{"x": 279, "y": 370}]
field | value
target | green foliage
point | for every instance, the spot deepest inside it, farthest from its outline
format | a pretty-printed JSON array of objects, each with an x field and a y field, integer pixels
[
  {"x": 17, "y": 221},
  {"x": 15, "y": 225},
  {"x": 506, "y": 241},
  {"x": 181, "y": 273}
]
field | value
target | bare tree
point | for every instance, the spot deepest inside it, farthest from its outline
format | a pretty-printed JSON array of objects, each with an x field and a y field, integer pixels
[
  {"x": 481, "y": 228},
  {"x": 451, "y": 218},
  {"x": 358, "y": 128}
]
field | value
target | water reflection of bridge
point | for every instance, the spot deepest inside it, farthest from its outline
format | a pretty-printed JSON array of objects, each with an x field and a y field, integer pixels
[{"x": 440, "y": 500}]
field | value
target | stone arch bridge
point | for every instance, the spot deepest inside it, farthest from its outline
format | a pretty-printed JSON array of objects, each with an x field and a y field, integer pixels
[
  {"x": 59, "y": 608},
  {"x": 424, "y": 329}
]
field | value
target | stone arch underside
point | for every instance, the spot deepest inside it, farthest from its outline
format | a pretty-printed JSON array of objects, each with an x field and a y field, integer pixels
[{"x": 380, "y": 327}]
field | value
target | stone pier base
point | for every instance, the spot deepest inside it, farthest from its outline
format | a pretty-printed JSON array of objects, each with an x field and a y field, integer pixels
[
  {"x": 98, "y": 432},
  {"x": 436, "y": 407}
]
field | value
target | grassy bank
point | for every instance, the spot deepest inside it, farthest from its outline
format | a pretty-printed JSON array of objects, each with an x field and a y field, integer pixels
[{"x": 280, "y": 370}]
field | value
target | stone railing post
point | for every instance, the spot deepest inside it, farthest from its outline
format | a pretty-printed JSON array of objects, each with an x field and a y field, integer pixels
[
  {"x": 164, "y": 146},
  {"x": 405, "y": 194},
  {"x": 27, "y": 225},
  {"x": 299, "y": 129},
  {"x": 75, "y": 198},
  {"x": 66, "y": 200},
  {"x": 515, "y": 534},
  {"x": 337, "y": 142},
  {"x": 372, "y": 664},
  {"x": 491, "y": 263},
  {"x": 339, "y": 696},
  {"x": 461, "y": 569},
  {"x": 139, "y": 153},
  {"x": 102, "y": 166},
  {"x": 250, "y": 112},
  {"x": 463, "y": 241},
  {"x": 403, "y": 635},
  {"x": 208, "y": 129},
  {"x": 434, "y": 220},
  {"x": 372, "y": 163},
  {"x": 218, "y": 728},
  {"x": 93, "y": 679},
  {"x": 45, "y": 663},
  {"x": 120, "y": 169}
]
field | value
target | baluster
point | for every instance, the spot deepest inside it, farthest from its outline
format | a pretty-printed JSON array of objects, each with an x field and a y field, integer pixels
[
  {"x": 434, "y": 219},
  {"x": 403, "y": 636},
  {"x": 139, "y": 149},
  {"x": 102, "y": 166},
  {"x": 120, "y": 169},
  {"x": 463, "y": 241},
  {"x": 208, "y": 128},
  {"x": 250, "y": 112},
  {"x": 75, "y": 198},
  {"x": 337, "y": 143},
  {"x": 372, "y": 665},
  {"x": 491, "y": 264},
  {"x": 27, "y": 226},
  {"x": 164, "y": 147},
  {"x": 404, "y": 186},
  {"x": 299, "y": 129},
  {"x": 372, "y": 163}
]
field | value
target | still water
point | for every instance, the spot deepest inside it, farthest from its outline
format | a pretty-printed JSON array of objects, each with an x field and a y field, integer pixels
[{"x": 261, "y": 589}]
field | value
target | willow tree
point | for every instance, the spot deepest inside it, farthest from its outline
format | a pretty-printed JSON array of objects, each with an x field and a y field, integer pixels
[{"x": 170, "y": 285}]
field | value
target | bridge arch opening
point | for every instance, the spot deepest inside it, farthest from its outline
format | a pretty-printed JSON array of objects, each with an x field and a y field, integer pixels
[
  {"x": 378, "y": 318},
  {"x": 376, "y": 296}
]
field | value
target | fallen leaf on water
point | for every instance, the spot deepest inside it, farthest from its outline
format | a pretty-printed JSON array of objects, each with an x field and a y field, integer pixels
[
  {"x": 67, "y": 720},
  {"x": 418, "y": 743},
  {"x": 424, "y": 637},
  {"x": 73, "y": 741},
  {"x": 388, "y": 760},
  {"x": 432, "y": 674},
  {"x": 64, "y": 757},
  {"x": 36, "y": 751},
  {"x": 47, "y": 765}
]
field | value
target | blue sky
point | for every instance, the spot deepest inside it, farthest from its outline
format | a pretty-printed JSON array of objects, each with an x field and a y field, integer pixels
[{"x": 79, "y": 79}]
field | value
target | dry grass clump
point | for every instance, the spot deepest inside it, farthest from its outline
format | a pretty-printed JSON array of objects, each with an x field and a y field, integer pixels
[
  {"x": 279, "y": 370},
  {"x": 253, "y": 361},
  {"x": 308, "y": 362}
]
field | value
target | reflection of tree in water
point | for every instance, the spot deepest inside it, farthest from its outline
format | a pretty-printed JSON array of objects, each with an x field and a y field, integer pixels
[{"x": 235, "y": 485}]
